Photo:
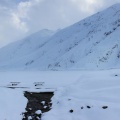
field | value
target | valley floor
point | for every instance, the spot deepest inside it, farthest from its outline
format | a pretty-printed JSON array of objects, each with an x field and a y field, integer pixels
[{"x": 78, "y": 95}]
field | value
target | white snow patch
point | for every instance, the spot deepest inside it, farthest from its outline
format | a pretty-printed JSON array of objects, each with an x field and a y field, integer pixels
[
  {"x": 38, "y": 112},
  {"x": 43, "y": 102},
  {"x": 29, "y": 118}
]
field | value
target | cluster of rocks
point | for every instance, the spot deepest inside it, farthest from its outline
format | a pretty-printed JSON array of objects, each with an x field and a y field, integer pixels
[
  {"x": 103, "y": 107},
  {"x": 38, "y": 103}
]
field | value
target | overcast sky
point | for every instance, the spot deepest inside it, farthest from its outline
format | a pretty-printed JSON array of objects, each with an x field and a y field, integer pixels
[{"x": 19, "y": 18}]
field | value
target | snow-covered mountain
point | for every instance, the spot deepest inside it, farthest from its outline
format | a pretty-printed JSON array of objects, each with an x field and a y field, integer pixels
[
  {"x": 93, "y": 43},
  {"x": 18, "y": 50}
]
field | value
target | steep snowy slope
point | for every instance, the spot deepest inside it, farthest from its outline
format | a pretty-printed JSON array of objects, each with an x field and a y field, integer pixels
[
  {"x": 92, "y": 43},
  {"x": 24, "y": 47}
]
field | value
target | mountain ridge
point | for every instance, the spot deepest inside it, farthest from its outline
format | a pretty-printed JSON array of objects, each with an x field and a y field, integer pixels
[{"x": 92, "y": 43}]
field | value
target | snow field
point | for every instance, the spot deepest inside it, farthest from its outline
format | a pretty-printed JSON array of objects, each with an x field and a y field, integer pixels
[
  {"x": 95, "y": 96},
  {"x": 78, "y": 95}
]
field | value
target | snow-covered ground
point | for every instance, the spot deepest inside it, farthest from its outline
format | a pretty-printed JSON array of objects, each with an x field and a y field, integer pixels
[
  {"x": 13, "y": 102},
  {"x": 86, "y": 98},
  {"x": 79, "y": 95}
]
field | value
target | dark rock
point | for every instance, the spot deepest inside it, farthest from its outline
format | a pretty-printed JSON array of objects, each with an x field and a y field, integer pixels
[
  {"x": 34, "y": 104},
  {"x": 71, "y": 111},
  {"x": 88, "y": 107},
  {"x": 82, "y": 107},
  {"x": 105, "y": 107}
]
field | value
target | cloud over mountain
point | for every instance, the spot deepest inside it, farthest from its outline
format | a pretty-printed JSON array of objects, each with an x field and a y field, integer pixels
[{"x": 23, "y": 17}]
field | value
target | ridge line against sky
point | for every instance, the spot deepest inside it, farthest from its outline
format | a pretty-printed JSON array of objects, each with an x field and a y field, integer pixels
[{"x": 19, "y": 18}]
